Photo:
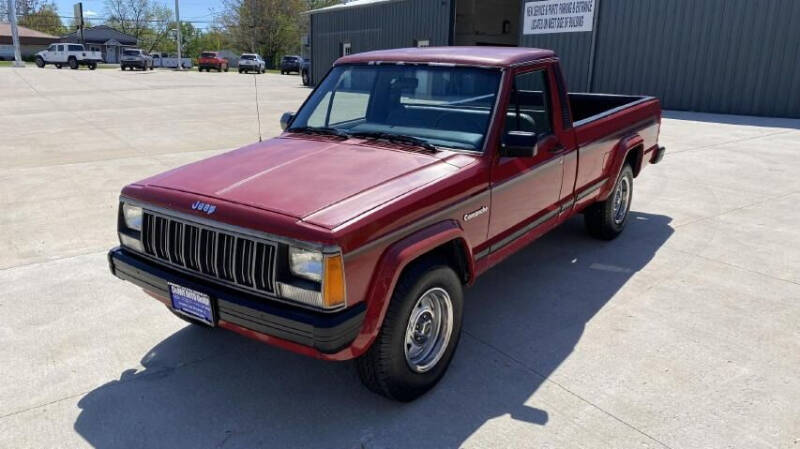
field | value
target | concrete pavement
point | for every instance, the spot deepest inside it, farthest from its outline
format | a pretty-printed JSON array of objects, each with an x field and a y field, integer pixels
[{"x": 682, "y": 333}]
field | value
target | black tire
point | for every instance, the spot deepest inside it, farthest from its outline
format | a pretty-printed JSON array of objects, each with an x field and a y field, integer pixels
[
  {"x": 226, "y": 67},
  {"x": 306, "y": 80},
  {"x": 604, "y": 220},
  {"x": 58, "y": 66},
  {"x": 92, "y": 66},
  {"x": 383, "y": 368},
  {"x": 40, "y": 62},
  {"x": 73, "y": 63}
]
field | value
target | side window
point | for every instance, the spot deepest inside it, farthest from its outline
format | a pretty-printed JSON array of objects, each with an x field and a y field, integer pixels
[
  {"x": 60, "y": 48},
  {"x": 529, "y": 105},
  {"x": 350, "y": 100}
]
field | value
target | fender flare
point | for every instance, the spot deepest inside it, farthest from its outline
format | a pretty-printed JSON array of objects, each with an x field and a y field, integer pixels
[
  {"x": 389, "y": 268},
  {"x": 633, "y": 142}
]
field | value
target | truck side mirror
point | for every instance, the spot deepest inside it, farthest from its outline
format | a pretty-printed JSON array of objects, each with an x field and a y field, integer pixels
[
  {"x": 286, "y": 119},
  {"x": 519, "y": 144}
]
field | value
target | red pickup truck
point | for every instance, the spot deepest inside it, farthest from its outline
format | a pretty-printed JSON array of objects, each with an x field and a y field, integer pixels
[{"x": 405, "y": 175}]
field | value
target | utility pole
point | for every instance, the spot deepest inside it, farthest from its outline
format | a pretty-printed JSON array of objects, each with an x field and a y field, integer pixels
[
  {"x": 178, "y": 22},
  {"x": 78, "y": 14},
  {"x": 12, "y": 18},
  {"x": 253, "y": 26}
]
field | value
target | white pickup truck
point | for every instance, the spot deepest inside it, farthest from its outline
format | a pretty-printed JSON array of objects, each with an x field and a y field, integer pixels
[{"x": 73, "y": 55}]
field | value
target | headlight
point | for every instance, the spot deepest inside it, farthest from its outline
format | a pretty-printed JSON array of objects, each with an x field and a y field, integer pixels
[
  {"x": 133, "y": 216},
  {"x": 326, "y": 269},
  {"x": 305, "y": 263}
]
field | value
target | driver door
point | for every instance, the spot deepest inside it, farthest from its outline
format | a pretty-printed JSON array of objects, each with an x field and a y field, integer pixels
[{"x": 526, "y": 189}]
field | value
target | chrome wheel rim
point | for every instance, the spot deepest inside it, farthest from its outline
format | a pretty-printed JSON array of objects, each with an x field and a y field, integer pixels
[
  {"x": 622, "y": 200},
  {"x": 429, "y": 329}
]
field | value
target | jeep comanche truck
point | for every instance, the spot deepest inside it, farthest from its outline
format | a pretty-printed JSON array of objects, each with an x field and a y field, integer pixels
[{"x": 405, "y": 175}]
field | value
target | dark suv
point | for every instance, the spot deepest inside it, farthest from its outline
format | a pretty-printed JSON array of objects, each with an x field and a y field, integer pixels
[{"x": 291, "y": 64}]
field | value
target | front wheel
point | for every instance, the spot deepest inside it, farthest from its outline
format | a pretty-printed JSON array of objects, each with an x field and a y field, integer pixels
[
  {"x": 606, "y": 220},
  {"x": 39, "y": 62},
  {"x": 73, "y": 63},
  {"x": 418, "y": 337},
  {"x": 226, "y": 68},
  {"x": 306, "y": 80}
]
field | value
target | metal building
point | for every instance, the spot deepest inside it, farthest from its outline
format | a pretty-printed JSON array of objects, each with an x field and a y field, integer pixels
[{"x": 726, "y": 56}]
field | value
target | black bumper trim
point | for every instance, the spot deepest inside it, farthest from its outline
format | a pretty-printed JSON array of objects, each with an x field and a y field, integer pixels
[{"x": 326, "y": 332}]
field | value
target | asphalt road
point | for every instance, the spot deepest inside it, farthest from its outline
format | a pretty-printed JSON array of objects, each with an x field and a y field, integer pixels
[{"x": 682, "y": 333}]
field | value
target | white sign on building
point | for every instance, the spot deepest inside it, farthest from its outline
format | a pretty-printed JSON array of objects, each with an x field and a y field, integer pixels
[{"x": 558, "y": 16}]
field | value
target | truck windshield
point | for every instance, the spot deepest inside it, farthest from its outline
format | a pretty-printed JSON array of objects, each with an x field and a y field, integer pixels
[
  {"x": 251, "y": 57},
  {"x": 131, "y": 52},
  {"x": 207, "y": 54},
  {"x": 443, "y": 106}
]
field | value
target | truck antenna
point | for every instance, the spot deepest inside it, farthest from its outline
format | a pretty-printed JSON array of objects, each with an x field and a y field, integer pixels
[{"x": 258, "y": 112}]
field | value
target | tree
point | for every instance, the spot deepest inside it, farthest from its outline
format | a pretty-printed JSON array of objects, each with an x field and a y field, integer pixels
[
  {"x": 44, "y": 19},
  {"x": 37, "y": 15},
  {"x": 128, "y": 16},
  {"x": 268, "y": 27}
]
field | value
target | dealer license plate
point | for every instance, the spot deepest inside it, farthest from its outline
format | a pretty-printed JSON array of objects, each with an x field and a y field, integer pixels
[{"x": 192, "y": 303}]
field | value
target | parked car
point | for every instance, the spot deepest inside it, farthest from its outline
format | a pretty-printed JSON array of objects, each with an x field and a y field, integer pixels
[
  {"x": 212, "y": 60},
  {"x": 73, "y": 55},
  {"x": 418, "y": 175},
  {"x": 251, "y": 62},
  {"x": 305, "y": 72},
  {"x": 290, "y": 64},
  {"x": 135, "y": 58}
]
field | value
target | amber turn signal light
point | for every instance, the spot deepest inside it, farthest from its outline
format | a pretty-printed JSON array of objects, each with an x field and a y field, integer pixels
[{"x": 333, "y": 289}]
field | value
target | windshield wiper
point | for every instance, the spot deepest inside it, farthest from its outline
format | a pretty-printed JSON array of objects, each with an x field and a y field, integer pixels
[
  {"x": 321, "y": 130},
  {"x": 395, "y": 138}
]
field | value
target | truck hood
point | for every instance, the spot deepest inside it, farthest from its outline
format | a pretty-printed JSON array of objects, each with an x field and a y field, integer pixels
[{"x": 320, "y": 181}]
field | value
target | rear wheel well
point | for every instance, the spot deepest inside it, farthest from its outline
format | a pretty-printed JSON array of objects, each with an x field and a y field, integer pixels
[
  {"x": 634, "y": 159},
  {"x": 452, "y": 253}
]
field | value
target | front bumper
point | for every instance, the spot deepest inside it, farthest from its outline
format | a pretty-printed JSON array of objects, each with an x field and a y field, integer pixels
[
  {"x": 247, "y": 314},
  {"x": 132, "y": 64}
]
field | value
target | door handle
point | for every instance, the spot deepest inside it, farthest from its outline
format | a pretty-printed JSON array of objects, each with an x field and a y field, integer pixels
[{"x": 558, "y": 149}]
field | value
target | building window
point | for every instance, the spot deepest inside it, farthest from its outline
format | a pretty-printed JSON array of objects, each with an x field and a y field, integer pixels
[
  {"x": 346, "y": 48},
  {"x": 422, "y": 43}
]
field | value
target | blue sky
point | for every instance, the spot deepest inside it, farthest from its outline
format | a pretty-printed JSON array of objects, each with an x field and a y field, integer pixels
[{"x": 190, "y": 9}]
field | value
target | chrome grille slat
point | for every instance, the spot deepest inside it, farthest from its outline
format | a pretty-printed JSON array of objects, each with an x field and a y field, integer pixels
[{"x": 218, "y": 254}]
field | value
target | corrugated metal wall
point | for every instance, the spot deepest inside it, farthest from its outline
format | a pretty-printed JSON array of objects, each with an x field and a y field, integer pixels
[
  {"x": 393, "y": 24},
  {"x": 573, "y": 48},
  {"x": 728, "y": 56}
]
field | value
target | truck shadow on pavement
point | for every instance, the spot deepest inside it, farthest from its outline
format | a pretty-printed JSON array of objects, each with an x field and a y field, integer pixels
[{"x": 211, "y": 388}]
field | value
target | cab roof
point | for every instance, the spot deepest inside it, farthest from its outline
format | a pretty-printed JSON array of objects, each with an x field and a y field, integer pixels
[{"x": 475, "y": 56}]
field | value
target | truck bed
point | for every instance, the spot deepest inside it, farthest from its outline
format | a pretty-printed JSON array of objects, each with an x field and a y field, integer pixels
[{"x": 586, "y": 107}]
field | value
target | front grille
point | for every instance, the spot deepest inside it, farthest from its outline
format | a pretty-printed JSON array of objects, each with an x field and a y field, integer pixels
[{"x": 226, "y": 256}]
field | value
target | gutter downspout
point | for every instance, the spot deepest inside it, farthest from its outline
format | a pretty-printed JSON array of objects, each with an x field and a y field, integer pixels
[{"x": 593, "y": 49}]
